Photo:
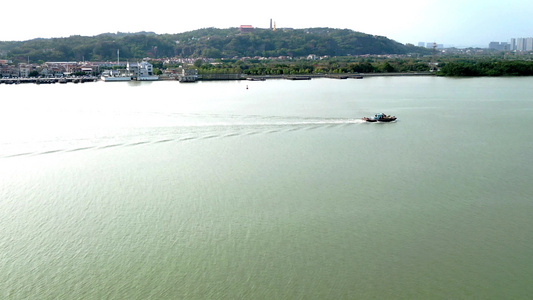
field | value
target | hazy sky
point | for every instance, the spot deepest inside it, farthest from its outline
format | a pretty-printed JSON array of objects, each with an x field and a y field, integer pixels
[{"x": 450, "y": 22}]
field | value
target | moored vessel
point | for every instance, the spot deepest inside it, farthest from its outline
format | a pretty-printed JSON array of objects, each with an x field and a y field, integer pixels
[
  {"x": 112, "y": 75},
  {"x": 148, "y": 78}
]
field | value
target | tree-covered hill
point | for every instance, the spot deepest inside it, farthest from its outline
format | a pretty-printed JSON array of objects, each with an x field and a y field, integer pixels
[{"x": 208, "y": 42}]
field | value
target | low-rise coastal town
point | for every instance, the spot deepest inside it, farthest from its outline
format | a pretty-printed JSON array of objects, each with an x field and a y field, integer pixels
[
  {"x": 71, "y": 71},
  {"x": 444, "y": 62},
  {"x": 79, "y": 72}
]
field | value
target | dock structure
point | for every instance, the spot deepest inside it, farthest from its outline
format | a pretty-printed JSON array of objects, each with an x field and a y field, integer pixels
[
  {"x": 47, "y": 80},
  {"x": 188, "y": 75},
  {"x": 221, "y": 77},
  {"x": 193, "y": 76}
]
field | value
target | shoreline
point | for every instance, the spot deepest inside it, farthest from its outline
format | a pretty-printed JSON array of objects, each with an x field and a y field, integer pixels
[
  {"x": 210, "y": 77},
  {"x": 215, "y": 77}
]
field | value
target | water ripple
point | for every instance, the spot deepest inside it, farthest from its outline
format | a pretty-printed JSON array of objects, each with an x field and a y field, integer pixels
[{"x": 203, "y": 131}]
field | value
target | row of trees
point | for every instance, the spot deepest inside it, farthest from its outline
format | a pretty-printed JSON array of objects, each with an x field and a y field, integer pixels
[
  {"x": 326, "y": 66},
  {"x": 447, "y": 66},
  {"x": 487, "y": 68}
]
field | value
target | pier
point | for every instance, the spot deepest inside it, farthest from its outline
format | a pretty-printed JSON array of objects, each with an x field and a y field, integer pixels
[
  {"x": 50, "y": 80},
  {"x": 214, "y": 77}
]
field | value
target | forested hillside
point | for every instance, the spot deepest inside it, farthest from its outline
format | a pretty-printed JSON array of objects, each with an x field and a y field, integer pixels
[{"x": 209, "y": 42}]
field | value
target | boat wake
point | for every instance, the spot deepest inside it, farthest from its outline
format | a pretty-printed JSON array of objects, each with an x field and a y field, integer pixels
[{"x": 175, "y": 128}]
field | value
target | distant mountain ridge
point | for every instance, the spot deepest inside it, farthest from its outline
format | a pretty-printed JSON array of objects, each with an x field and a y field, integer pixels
[{"x": 206, "y": 42}]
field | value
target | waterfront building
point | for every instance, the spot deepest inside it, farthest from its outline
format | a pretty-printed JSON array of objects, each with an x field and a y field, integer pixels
[
  {"x": 24, "y": 70},
  {"x": 90, "y": 68},
  {"x": 142, "y": 71},
  {"x": 8, "y": 71}
]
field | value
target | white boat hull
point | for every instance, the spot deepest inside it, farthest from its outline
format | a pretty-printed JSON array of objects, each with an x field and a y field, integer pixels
[
  {"x": 116, "y": 78},
  {"x": 148, "y": 78}
]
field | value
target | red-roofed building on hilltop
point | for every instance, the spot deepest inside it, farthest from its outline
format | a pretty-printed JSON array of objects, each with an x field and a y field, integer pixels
[{"x": 246, "y": 28}]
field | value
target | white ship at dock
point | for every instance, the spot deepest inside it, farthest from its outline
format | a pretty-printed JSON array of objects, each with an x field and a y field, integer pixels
[
  {"x": 143, "y": 71},
  {"x": 116, "y": 75}
]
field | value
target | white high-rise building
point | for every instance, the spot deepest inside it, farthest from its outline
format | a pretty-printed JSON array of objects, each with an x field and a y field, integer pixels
[
  {"x": 522, "y": 44},
  {"x": 529, "y": 44}
]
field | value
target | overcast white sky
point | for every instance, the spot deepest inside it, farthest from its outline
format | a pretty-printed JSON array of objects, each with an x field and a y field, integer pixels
[{"x": 450, "y": 22}]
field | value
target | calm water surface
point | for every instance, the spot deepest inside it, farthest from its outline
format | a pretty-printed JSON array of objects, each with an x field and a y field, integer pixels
[{"x": 213, "y": 191}]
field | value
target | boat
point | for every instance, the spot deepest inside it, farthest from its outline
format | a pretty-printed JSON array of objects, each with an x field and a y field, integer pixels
[
  {"x": 187, "y": 78},
  {"x": 116, "y": 75},
  {"x": 116, "y": 78},
  {"x": 299, "y": 77},
  {"x": 148, "y": 78},
  {"x": 112, "y": 75},
  {"x": 381, "y": 117}
]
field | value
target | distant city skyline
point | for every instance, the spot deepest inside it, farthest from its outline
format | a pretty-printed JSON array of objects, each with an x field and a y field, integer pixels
[{"x": 451, "y": 23}]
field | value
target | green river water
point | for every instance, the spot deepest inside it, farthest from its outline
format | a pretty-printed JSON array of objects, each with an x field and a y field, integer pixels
[{"x": 213, "y": 190}]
